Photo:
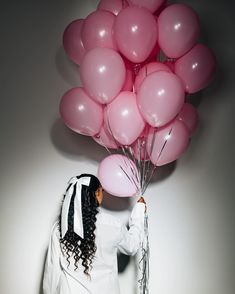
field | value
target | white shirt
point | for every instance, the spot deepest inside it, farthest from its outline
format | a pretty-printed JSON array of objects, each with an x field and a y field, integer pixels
[{"x": 111, "y": 235}]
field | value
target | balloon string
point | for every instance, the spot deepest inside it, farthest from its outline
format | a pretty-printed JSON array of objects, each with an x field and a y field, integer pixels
[
  {"x": 145, "y": 171},
  {"x": 106, "y": 147},
  {"x": 136, "y": 68},
  {"x": 144, "y": 260}
]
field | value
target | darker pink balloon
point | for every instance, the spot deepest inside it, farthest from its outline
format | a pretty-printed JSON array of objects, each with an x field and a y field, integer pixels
[
  {"x": 117, "y": 175},
  {"x": 170, "y": 64},
  {"x": 196, "y": 68},
  {"x": 139, "y": 150},
  {"x": 189, "y": 116},
  {"x": 147, "y": 70},
  {"x": 72, "y": 42},
  {"x": 178, "y": 28},
  {"x": 151, "y": 5},
  {"x": 135, "y": 31},
  {"x": 160, "y": 97},
  {"x": 168, "y": 143},
  {"x": 124, "y": 119},
  {"x": 104, "y": 138},
  {"x": 80, "y": 113},
  {"x": 97, "y": 30},
  {"x": 153, "y": 54},
  {"x": 139, "y": 147},
  {"x": 114, "y": 6},
  {"x": 103, "y": 74},
  {"x": 129, "y": 81}
]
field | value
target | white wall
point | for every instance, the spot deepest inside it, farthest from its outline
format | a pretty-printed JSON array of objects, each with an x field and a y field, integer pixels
[{"x": 191, "y": 205}]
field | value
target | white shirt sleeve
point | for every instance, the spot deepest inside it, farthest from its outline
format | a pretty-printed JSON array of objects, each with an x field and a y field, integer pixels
[
  {"x": 52, "y": 269},
  {"x": 130, "y": 240}
]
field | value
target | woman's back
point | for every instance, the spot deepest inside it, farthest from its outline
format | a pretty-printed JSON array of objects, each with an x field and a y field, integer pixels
[{"x": 71, "y": 269}]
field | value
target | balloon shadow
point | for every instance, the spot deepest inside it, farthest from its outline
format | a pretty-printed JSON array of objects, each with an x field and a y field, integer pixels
[
  {"x": 73, "y": 145},
  {"x": 163, "y": 172},
  {"x": 67, "y": 69},
  {"x": 113, "y": 203}
]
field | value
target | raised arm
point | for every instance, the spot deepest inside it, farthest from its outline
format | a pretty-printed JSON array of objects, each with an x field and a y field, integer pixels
[{"x": 130, "y": 240}]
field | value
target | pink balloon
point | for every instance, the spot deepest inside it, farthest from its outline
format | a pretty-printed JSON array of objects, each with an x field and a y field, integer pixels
[
  {"x": 196, "y": 68},
  {"x": 139, "y": 152},
  {"x": 135, "y": 30},
  {"x": 72, "y": 42},
  {"x": 178, "y": 28},
  {"x": 97, "y": 30},
  {"x": 160, "y": 97},
  {"x": 80, "y": 113},
  {"x": 151, "y": 5},
  {"x": 147, "y": 70},
  {"x": 124, "y": 119},
  {"x": 169, "y": 142},
  {"x": 139, "y": 147},
  {"x": 117, "y": 175},
  {"x": 189, "y": 116},
  {"x": 154, "y": 54},
  {"x": 129, "y": 81},
  {"x": 170, "y": 64},
  {"x": 161, "y": 8},
  {"x": 114, "y": 6},
  {"x": 104, "y": 138},
  {"x": 103, "y": 74}
]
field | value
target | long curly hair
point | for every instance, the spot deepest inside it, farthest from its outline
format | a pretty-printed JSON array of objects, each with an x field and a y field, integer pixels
[{"x": 73, "y": 245}]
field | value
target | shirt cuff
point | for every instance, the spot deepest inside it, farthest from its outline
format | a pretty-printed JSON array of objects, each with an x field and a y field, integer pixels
[{"x": 138, "y": 211}]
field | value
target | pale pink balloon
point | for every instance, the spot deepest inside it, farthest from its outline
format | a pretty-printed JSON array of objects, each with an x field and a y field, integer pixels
[
  {"x": 147, "y": 70},
  {"x": 189, "y": 116},
  {"x": 80, "y": 113},
  {"x": 72, "y": 41},
  {"x": 160, "y": 97},
  {"x": 168, "y": 143},
  {"x": 97, "y": 30},
  {"x": 103, "y": 74},
  {"x": 178, "y": 28},
  {"x": 151, "y": 5},
  {"x": 104, "y": 138},
  {"x": 135, "y": 31},
  {"x": 114, "y": 6},
  {"x": 117, "y": 175},
  {"x": 196, "y": 68},
  {"x": 124, "y": 119}
]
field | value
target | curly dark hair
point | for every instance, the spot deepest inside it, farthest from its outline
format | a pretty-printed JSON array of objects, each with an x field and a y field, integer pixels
[{"x": 74, "y": 245}]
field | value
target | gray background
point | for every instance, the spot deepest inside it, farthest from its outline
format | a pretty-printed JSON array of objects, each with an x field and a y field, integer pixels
[{"x": 190, "y": 204}]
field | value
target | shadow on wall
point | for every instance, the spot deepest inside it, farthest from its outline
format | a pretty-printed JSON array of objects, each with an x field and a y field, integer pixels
[
  {"x": 41, "y": 282},
  {"x": 113, "y": 203},
  {"x": 67, "y": 69},
  {"x": 75, "y": 146}
]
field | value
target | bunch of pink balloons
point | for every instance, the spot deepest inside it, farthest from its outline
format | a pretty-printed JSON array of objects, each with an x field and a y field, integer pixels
[{"x": 139, "y": 60}]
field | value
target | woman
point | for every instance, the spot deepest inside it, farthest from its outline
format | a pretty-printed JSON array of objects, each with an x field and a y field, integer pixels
[{"x": 82, "y": 254}]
